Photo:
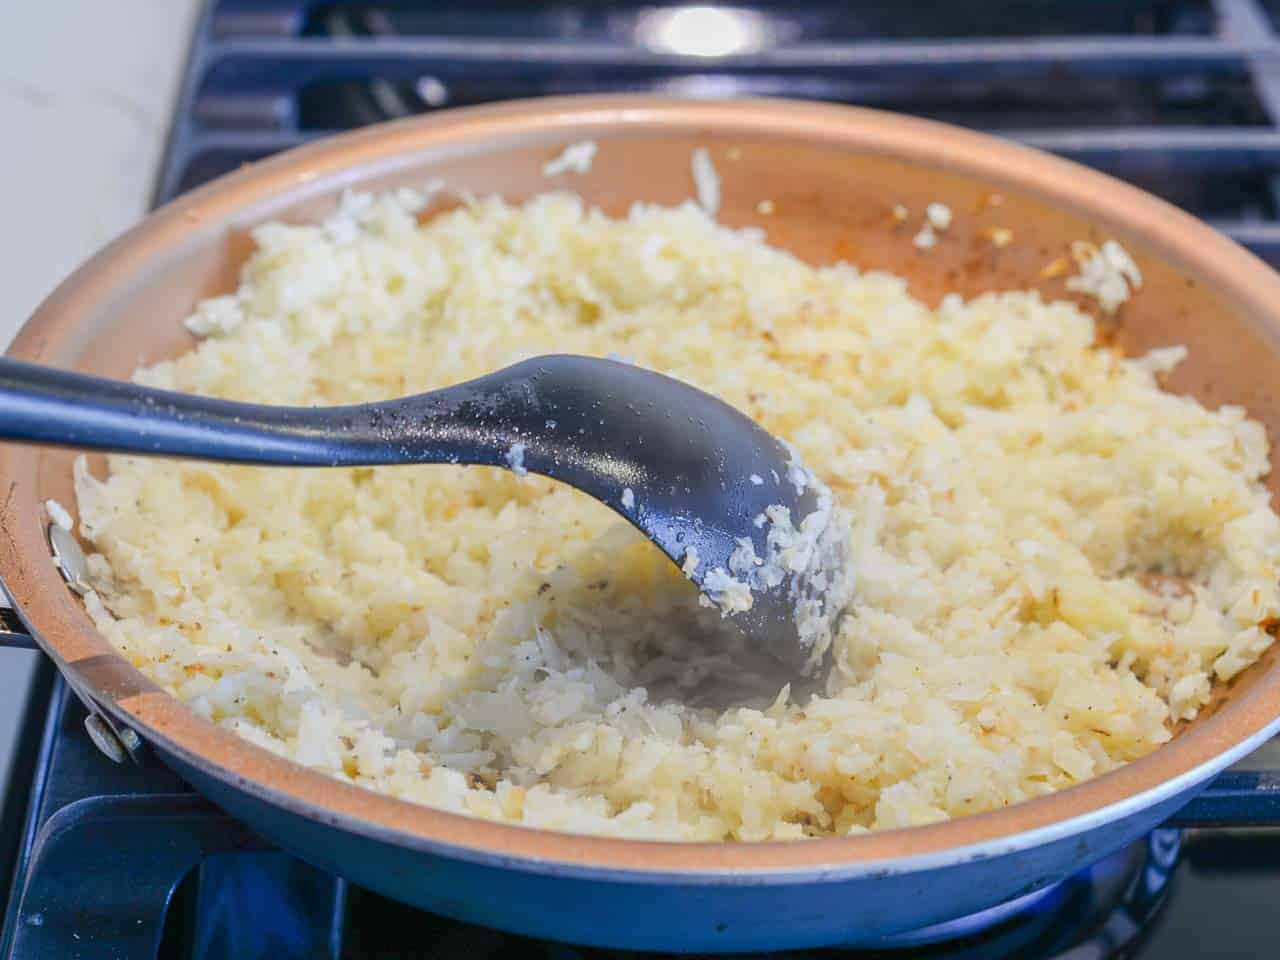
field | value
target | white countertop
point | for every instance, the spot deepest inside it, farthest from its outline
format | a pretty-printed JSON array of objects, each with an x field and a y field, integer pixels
[{"x": 86, "y": 91}]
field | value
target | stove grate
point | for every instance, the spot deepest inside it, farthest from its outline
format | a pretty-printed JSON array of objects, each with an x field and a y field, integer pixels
[{"x": 1180, "y": 97}]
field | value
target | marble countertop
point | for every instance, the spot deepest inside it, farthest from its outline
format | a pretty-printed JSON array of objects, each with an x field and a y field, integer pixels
[{"x": 86, "y": 91}]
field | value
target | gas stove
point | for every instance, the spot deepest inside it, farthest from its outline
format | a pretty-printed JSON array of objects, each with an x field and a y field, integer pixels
[{"x": 1182, "y": 98}]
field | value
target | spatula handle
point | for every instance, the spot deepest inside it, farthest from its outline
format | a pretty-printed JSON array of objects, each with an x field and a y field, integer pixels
[{"x": 52, "y": 407}]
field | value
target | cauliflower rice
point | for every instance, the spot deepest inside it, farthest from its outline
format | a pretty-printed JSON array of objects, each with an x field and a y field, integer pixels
[{"x": 1054, "y": 558}]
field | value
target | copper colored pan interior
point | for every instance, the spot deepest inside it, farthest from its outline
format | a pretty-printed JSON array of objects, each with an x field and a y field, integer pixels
[{"x": 833, "y": 176}]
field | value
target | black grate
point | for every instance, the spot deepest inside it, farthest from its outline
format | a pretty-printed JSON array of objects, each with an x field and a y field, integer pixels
[
  {"x": 829, "y": 21},
  {"x": 1181, "y": 97}
]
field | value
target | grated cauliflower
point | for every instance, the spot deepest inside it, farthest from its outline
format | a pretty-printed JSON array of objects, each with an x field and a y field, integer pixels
[{"x": 1055, "y": 559}]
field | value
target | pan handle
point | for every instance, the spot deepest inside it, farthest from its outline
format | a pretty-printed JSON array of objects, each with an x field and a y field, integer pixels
[
  {"x": 1235, "y": 798},
  {"x": 117, "y": 742},
  {"x": 13, "y": 633}
]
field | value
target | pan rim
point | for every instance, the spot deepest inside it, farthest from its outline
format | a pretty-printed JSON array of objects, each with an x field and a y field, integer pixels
[{"x": 323, "y": 166}]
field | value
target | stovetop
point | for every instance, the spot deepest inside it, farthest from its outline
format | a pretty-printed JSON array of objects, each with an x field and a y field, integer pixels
[{"x": 1179, "y": 97}]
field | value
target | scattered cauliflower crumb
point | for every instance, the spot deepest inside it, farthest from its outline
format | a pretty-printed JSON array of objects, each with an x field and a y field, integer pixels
[
  {"x": 628, "y": 498},
  {"x": 1107, "y": 273},
  {"x": 800, "y": 476},
  {"x": 576, "y": 158},
  {"x": 343, "y": 226},
  {"x": 515, "y": 460},
  {"x": 812, "y": 554},
  {"x": 900, "y": 213},
  {"x": 357, "y": 208},
  {"x": 59, "y": 514},
  {"x": 690, "y": 565},
  {"x": 706, "y": 181},
  {"x": 938, "y": 215},
  {"x": 756, "y": 480},
  {"x": 999, "y": 236},
  {"x": 765, "y": 208},
  {"x": 726, "y": 592},
  {"x": 217, "y": 316},
  {"x": 926, "y": 239},
  {"x": 1055, "y": 268},
  {"x": 1161, "y": 360}
]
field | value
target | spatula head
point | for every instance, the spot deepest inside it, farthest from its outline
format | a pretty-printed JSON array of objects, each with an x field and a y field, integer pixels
[{"x": 723, "y": 498}]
